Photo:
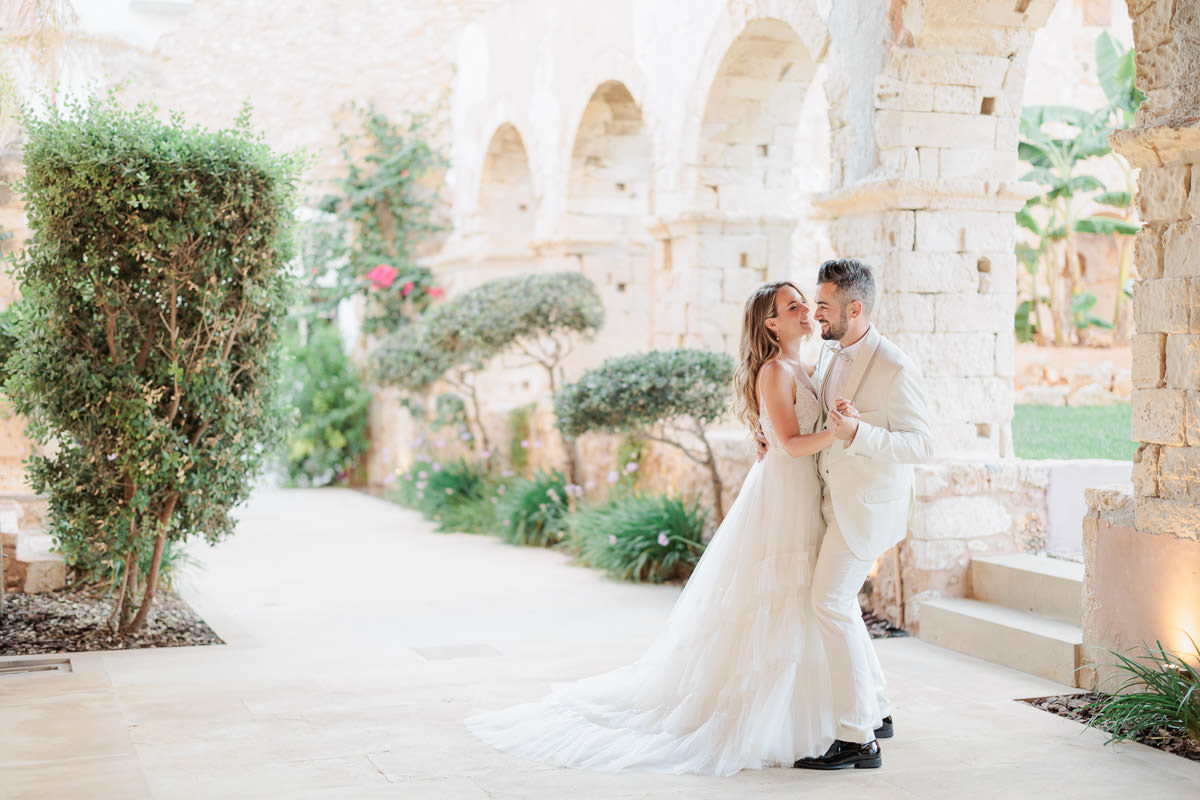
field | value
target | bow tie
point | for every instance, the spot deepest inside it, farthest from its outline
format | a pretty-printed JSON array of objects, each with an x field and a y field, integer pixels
[{"x": 840, "y": 352}]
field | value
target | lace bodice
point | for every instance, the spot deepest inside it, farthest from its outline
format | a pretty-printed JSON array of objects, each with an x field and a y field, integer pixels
[{"x": 807, "y": 409}]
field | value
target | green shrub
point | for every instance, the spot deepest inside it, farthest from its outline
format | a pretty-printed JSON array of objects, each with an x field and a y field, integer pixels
[
  {"x": 1161, "y": 690},
  {"x": 457, "y": 495},
  {"x": 534, "y": 511},
  {"x": 537, "y": 315},
  {"x": 669, "y": 396},
  {"x": 152, "y": 288},
  {"x": 648, "y": 538},
  {"x": 322, "y": 386}
]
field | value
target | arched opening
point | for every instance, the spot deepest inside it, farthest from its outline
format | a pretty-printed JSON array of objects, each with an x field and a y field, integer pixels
[
  {"x": 608, "y": 194},
  {"x": 763, "y": 152},
  {"x": 506, "y": 201}
]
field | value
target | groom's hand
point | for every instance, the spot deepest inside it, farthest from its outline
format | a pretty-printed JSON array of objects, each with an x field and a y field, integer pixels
[{"x": 844, "y": 426}]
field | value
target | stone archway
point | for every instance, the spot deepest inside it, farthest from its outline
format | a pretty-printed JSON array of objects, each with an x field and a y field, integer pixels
[
  {"x": 503, "y": 226},
  {"x": 744, "y": 198},
  {"x": 603, "y": 232}
]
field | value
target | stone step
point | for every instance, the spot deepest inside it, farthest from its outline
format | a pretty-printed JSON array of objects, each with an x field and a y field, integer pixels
[
  {"x": 1041, "y": 585},
  {"x": 1021, "y": 640}
]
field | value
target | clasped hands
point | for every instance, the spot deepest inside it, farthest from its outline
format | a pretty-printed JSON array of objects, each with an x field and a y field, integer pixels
[{"x": 843, "y": 422}]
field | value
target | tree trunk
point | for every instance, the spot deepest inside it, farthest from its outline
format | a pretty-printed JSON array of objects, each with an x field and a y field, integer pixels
[
  {"x": 714, "y": 475},
  {"x": 160, "y": 543}
]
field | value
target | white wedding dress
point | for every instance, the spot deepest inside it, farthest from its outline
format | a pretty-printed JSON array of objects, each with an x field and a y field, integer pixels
[{"x": 737, "y": 679}]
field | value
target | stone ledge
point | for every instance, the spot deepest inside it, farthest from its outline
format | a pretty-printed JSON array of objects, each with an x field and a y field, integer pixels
[
  {"x": 1112, "y": 503},
  {"x": 1166, "y": 144},
  {"x": 915, "y": 194}
]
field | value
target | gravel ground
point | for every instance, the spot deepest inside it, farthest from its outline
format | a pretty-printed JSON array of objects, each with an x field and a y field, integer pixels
[
  {"x": 1075, "y": 706},
  {"x": 74, "y": 622}
]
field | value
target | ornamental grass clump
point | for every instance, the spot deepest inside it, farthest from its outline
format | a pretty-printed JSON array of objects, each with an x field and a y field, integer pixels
[
  {"x": 534, "y": 511},
  {"x": 648, "y": 538},
  {"x": 457, "y": 495},
  {"x": 152, "y": 289},
  {"x": 668, "y": 396},
  {"x": 1161, "y": 690}
]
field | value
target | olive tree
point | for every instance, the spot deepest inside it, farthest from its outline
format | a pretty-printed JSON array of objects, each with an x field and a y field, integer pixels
[
  {"x": 153, "y": 288},
  {"x": 668, "y": 396}
]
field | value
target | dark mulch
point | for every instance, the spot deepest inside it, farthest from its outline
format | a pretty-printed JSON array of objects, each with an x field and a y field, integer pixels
[
  {"x": 74, "y": 622},
  {"x": 880, "y": 628},
  {"x": 1075, "y": 706}
]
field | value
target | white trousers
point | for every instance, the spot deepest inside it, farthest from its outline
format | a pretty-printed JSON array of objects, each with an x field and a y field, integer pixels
[{"x": 859, "y": 704}]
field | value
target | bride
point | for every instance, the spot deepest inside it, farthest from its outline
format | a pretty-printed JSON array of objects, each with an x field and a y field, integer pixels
[{"x": 738, "y": 678}]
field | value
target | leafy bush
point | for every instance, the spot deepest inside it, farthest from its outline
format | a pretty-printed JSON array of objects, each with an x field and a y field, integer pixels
[
  {"x": 536, "y": 315},
  {"x": 669, "y": 396},
  {"x": 534, "y": 511},
  {"x": 457, "y": 495},
  {"x": 152, "y": 290},
  {"x": 323, "y": 388},
  {"x": 1161, "y": 690},
  {"x": 649, "y": 538}
]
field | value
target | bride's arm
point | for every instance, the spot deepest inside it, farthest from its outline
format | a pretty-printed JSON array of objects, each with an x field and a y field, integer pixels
[{"x": 776, "y": 386}]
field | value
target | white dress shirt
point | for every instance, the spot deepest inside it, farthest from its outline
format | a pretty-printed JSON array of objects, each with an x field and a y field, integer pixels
[{"x": 839, "y": 370}]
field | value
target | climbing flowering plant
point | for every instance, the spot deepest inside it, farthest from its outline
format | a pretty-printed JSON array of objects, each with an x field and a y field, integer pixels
[{"x": 377, "y": 215}]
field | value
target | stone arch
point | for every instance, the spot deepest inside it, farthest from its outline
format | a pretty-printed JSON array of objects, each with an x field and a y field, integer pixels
[
  {"x": 746, "y": 196},
  {"x": 607, "y": 200},
  {"x": 506, "y": 198}
]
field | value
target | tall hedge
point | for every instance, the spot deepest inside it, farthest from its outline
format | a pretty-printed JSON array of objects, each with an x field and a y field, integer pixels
[{"x": 153, "y": 288}]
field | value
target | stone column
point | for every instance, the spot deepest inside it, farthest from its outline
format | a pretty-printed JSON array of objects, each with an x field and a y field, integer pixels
[{"x": 1143, "y": 553}]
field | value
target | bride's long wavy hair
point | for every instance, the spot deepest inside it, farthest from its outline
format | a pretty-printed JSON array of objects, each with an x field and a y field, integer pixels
[{"x": 758, "y": 347}]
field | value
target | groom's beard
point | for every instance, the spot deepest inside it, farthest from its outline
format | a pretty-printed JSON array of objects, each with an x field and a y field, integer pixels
[{"x": 837, "y": 328}]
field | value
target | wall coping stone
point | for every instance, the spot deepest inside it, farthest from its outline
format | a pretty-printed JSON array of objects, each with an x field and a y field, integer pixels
[{"x": 1112, "y": 503}]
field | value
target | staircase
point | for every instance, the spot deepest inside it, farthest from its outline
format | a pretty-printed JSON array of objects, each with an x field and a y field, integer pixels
[
  {"x": 1024, "y": 611},
  {"x": 29, "y": 566}
]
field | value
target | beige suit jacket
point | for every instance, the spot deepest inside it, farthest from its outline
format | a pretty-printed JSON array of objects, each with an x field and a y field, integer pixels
[{"x": 871, "y": 481}]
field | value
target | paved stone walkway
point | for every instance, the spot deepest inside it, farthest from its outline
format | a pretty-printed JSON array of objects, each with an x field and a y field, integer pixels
[{"x": 358, "y": 641}]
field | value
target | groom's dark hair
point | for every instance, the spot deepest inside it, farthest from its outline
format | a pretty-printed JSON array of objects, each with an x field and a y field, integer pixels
[{"x": 853, "y": 280}]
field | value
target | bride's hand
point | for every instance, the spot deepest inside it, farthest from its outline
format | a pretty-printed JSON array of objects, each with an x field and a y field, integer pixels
[{"x": 846, "y": 408}]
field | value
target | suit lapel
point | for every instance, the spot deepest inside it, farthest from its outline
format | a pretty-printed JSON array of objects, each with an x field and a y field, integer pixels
[
  {"x": 824, "y": 378},
  {"x": 862, "y": 363}
]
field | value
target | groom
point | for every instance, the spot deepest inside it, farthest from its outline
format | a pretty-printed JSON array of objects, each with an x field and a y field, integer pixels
[{"x": 868, "y": 496}]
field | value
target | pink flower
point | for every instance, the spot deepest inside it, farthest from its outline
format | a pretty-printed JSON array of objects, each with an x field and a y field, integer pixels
[
  {"x": 403, "y": 173},
  {"x": 436, "y": 291},
  {"x": 382, "y": 276},
  {"x": 406, "y": 288},
  {"x": 524, "y": 444},
  {"x": 612, "y": 539},
  {"x": 663, "y": 540}
]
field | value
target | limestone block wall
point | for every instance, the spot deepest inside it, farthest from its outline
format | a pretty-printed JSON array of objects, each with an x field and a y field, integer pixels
[{"x": 964, "y": 510}]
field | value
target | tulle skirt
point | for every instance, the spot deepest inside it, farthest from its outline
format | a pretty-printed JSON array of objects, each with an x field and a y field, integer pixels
[{"x": 736, "y": 680}]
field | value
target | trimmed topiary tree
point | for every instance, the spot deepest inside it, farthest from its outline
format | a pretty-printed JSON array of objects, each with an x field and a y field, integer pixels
[
  {"x": 536, "y": 316},
  {"x": 668, "y": 396},
  {"x": 153, "y": 288}
]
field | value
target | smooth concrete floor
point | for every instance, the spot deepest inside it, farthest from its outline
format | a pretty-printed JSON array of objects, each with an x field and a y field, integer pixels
[{"x": 358, "y": 640}]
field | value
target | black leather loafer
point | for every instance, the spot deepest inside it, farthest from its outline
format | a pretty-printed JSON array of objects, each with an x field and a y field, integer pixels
[
  {"x": 843, "y": 755},
  {"x": 885, "y": 730}
]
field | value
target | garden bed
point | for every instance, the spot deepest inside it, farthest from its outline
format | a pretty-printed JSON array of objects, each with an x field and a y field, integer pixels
[
  {"x": 74, "y": 622},
  {"x": 1078, "y": 707}
]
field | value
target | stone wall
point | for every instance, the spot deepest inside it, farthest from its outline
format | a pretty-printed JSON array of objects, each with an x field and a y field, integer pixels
[{"x": 964, "y": 510}]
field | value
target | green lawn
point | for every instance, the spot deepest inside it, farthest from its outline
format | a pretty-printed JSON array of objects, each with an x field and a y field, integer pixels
[{"x": 1072, "y": 432}]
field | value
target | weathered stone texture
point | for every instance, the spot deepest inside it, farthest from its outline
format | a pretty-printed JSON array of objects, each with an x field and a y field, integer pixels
[
  {"x": 1158, "y": 416},
  {"x": 1162, "y": 306}
]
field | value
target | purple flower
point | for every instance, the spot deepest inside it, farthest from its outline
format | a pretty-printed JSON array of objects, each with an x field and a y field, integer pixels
[
  {"x": 508, "y": 473},
  {"x": 420, "y": 495},
  {"x": 465, "y": 436},
  {"x": 589, "y": 485},
  {"x": 422, "y": 474},
  {"x": 485, "y": 455},
  {"x": 612, "y": 539},
  {"x": 112, "y": 456},
  {"x": 631, "y": 467},
  {"x": 613, "y": 476},
  {"x": 537, "y": 445},
  {"x": 437, "y": 467},
  {"x": 495, "y": 500},
  {"x": 663, "y": 539},
  {"x": 451, "y": 491},
  {"x": 524, "y": 444}
]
